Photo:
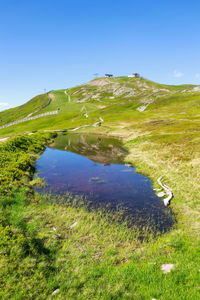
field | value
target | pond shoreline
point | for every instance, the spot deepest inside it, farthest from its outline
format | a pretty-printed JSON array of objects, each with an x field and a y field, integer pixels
[
  {"x": 115, "y": 183},
  {"x": 83, "y": 248}
]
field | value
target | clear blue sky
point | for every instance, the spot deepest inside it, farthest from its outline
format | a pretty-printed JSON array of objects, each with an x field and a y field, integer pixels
[{"x": 57, "y": 44}]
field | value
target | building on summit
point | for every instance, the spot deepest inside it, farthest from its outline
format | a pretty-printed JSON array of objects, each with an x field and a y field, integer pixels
[{"x": 137, "y": 75}]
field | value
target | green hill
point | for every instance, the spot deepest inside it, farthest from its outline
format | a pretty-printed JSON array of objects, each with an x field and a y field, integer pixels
[
  {"x": 121, "y": 102},
  {"x": 13, "y": 114},
  {"x": 100, "y": 259}
]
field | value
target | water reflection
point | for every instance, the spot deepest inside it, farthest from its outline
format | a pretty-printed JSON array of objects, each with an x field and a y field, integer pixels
[{"x": 94, "y": 166}]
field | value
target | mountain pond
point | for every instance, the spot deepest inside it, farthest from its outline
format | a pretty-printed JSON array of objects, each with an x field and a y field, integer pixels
[{"x": 94, "y": 166}]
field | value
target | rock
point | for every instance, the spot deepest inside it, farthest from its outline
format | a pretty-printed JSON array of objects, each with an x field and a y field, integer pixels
[
  {"x": 94, "y": 179},
  {"x": 55, "y": 292},
  {"x": 128, "y": 165},
  {"x": 141, "y": 108},
  {"x": 101, "y": 181},
  {"x": 97, "y": 180},
  {"x": 73, "y": 225},
  {"x": 166, "y": 268},
  {"x": 167, "y": 190},
  {"x": 167, "y": 201},
  {"x": 196, "y": 89},
  {"x": 161, "y": 194}
]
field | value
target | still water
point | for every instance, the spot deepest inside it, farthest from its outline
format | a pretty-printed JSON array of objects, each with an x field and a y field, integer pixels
[{"x": 94, "y": 166}]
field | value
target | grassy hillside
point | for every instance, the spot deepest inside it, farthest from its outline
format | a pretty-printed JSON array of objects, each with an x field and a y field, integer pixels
[
  {"x": 55, "y": 249},
  {"x": 105, "y": 260},
  {"x": 17, "y": 113},
  {"x": 115, "y": 100}
]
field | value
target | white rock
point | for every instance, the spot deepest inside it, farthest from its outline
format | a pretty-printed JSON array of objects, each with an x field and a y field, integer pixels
[
  {"x": 168, "y": 192},
  {"x": 55, "y": 292},
  {"x": 166, "y": 268},
  {"x": 167, "y": 200},
  {"x": 141, "y": 108},
  {"x": 196, "y": 89},
  {"x": 73, "y": 225},
  {"x": 128, "y": 165},
  {"x": 161, "y": 194}
]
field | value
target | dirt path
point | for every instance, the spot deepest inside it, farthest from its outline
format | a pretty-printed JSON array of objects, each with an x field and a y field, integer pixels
[{"x": 69, "y": 97}]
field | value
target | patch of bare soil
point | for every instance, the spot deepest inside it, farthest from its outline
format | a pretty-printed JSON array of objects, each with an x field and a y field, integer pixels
[
  {"x": 99, "y": 82},
  {"x": 51, "y": 96}
]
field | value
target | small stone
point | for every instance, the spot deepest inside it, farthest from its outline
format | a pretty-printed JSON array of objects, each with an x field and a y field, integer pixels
[
  {"x": 161, "y": 194},
  {"x": 73, "y": 225},
  {"x": 94, "y": 179},
  {"x": 55, "y": 292},
  {"x": 166, "y": 201},
  {"x": 166, "y": 268},
  {"x": 128, "y": 165}
]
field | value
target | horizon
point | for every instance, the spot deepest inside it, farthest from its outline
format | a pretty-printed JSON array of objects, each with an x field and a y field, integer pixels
[
  {"x": 48, "y": 46},
  {"x": 99, "y": 77}
]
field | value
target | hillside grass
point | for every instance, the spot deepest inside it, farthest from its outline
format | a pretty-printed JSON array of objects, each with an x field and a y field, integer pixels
[
  {"x": 169, "y": 102},
  {"x": 56, "y": 248},
  {"x": 162, "y": 140},
  {"x": 22, "y": 111}
]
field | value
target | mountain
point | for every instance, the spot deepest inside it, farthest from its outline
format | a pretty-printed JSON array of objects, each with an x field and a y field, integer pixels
[
  {"x": 160, "y": 128},
  {"x": 120, "y": 103}
]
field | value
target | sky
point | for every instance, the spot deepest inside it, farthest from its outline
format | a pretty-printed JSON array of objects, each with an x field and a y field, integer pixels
[{"x": 55, "y": 44}]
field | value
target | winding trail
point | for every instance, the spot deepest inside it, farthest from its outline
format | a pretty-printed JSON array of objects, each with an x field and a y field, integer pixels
[
  {"x": 96, "y": 124},
  {"x": 69, "y": 97}
]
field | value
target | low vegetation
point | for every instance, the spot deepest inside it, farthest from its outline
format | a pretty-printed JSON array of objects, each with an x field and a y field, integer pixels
[
  {"x": 115, "y": 100},
  {"x": 53, "y": 249}
]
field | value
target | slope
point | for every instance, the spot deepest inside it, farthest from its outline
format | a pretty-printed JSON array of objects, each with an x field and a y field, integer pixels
[
  {"x": 160, "y": 127},
  {"x": 121, "y": 99}
]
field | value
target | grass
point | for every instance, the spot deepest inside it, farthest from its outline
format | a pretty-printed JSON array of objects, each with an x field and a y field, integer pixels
[
  {"x": 99, "y": 259},
  {"x": 24, "y": 110},
  {"x": 51, "y": 246}
]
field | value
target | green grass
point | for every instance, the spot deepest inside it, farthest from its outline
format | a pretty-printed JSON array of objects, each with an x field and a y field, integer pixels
[
  {"x": 100, "y": 259},
  {"x": 172, "y": 100},
  {"x": 24, "y": 110}
]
